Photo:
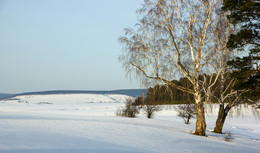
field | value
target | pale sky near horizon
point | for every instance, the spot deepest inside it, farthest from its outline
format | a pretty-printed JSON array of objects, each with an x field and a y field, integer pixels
[{"x": 64, "y": 44}]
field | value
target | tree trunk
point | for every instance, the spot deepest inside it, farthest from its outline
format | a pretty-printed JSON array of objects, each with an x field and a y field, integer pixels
[
  {"x": 222, "y": 114},
  {"x": 200, "y": 122}
]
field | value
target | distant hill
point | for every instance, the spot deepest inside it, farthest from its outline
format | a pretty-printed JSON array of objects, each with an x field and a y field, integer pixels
[
  {"x": 4, "y": 96},
  {"x": 129, "y": 92}
]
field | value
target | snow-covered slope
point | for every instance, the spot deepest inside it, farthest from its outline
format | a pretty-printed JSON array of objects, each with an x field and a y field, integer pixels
[
  {"x": 70, "y": 98},
  {"x": 81, "y": 124}
]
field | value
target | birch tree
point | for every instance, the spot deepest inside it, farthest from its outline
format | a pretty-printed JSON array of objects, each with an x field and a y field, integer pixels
[
  {"x": 229, "y": 95},
  {"x": 219, "y": 85},
  {"x": 173, "y": 36}
]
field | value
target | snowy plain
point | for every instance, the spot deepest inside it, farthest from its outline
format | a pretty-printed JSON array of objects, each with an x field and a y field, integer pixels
[{"x": 86, "y": 123}]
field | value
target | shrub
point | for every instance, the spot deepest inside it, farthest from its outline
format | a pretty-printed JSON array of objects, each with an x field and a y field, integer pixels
[
  {"x": 187, "y": 112},
  {"x": 150, "y": 110},
  {"x": 129, "y": 110}
]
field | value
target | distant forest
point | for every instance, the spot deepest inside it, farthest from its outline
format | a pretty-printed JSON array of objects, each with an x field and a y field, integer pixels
[{"x": 162, "y": 94}]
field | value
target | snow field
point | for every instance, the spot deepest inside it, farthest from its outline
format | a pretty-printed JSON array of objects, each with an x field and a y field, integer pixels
[{"x": 87, "y": 123}]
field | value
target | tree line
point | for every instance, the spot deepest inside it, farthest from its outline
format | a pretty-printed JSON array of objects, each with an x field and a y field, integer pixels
[{"x": 164, "y": 94}]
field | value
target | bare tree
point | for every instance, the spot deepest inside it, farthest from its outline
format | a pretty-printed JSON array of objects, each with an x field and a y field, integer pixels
[
  {"x": 223, "y": 92},
  {"x": 186, "y": 111},
  {"x": 173, "y": 36}
]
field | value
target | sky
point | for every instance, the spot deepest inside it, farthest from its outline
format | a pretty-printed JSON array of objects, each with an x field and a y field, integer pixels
[{"x": 64, "y": 44}]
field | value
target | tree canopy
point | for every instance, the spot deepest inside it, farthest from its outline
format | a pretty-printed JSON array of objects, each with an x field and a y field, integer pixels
[{"x": 245, "y": 14}]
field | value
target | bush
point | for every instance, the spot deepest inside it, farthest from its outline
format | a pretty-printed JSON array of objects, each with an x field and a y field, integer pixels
[
  {"x": 187, "y": 112},
  {"x": 150, "y": 110},
  {"x": 129, "y": 110}
]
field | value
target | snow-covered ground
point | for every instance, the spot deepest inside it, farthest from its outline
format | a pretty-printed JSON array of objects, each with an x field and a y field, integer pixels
[{"x": 81, "y": 123}]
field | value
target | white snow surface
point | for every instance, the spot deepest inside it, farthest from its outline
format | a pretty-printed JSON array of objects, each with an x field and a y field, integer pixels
[
  {"x": 86, "y": 123},
  {"x": 72, "y": 98}
]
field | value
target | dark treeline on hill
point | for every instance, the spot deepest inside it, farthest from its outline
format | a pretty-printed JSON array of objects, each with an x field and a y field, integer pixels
[{"x": 162, "y": 94}]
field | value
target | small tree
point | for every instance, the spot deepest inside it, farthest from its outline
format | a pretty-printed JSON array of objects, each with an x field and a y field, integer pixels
[{"x": 187, "y": 112}]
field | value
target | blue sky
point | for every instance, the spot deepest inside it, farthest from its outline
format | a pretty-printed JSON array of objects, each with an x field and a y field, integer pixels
[{"x": 63, "y": 44}]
